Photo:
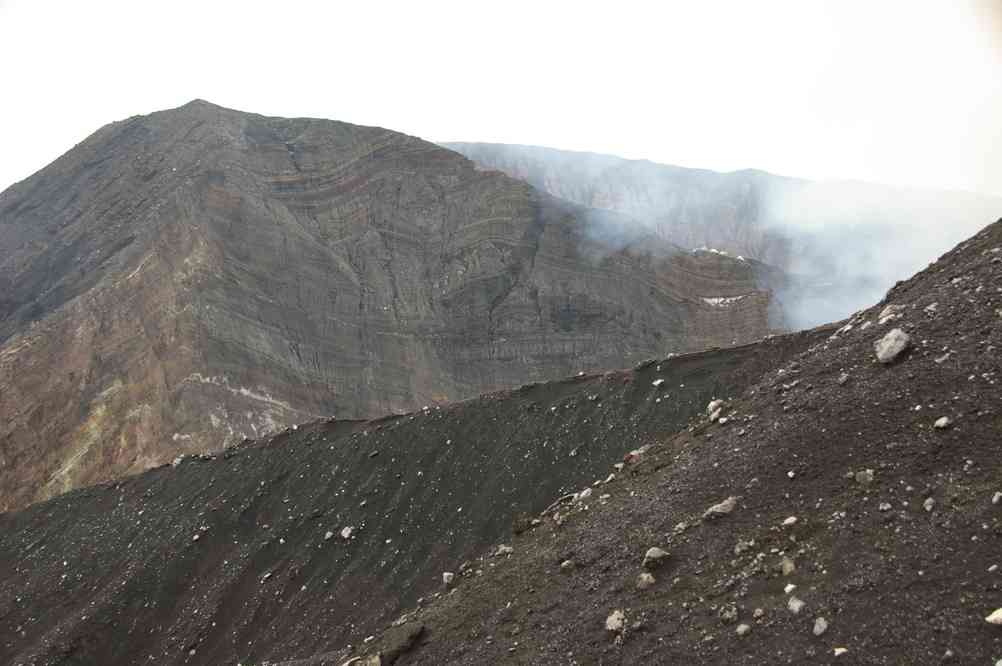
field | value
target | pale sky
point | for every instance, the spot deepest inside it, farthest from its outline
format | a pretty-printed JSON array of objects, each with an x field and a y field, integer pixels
[{"x": 906, "y": 93}]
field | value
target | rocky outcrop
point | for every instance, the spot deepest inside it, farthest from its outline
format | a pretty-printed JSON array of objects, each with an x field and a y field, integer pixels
[{"x": 183, "y": 280}]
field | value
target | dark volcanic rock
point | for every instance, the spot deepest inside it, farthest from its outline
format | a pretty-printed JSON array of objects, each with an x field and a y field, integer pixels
[
  {"x": 877, "y": 578},
  {"x": 183, "y": 280},
  {"x": 230, "y": 557}
]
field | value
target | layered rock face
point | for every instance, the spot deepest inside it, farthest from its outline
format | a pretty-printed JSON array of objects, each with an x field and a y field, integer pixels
[
  {"x": 183, "y": 280},
  {"x": 843, "y": 243}
]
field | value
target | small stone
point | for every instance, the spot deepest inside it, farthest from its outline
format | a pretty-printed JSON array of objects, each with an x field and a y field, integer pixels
[
  {"x": 889, "y": 347},
  {"x": 567, "y": 565},
  {"x": 448, "y": 577},
  {"x": 759, "y": 613},
  {"x": 728, "y": 614},
  {"x": 997, "y": 498},
  {"x": 615, "y": 621},
  {"x": 788, "y": 567},
  {"x": 196, "y": 537},
  {"x": 795, "y": 605},
  {"x": 843, "y": 378},
  {"x": 995, "y": 618},
  {"x": 714, "y": 406},
  {"x": 789, "y": 522},
  {"x": 993, "y": 568},
  {"x": 790, "y": 587},
  {"x": 820, "y": 626},
  {"x": 942, "y": 422},
  {"x": 742, "y": 629},
  {"x": 654, "y": 557},
  {"x": 583, "y": 495},
  {"x": 839, "y": 651},
  {"x": 346, "y": 532},
  {"x": 657, "y": 383},
  {"x": 864, "y": 477},
  {"x": 644, "y": 581},
  {"x": 884, "y": 506},
  {"x": 328, "y": 535},
  {"x": 929, "y": 503},
  {"x": 504, "y": 550},
  {"x": 721, "y": 509}
]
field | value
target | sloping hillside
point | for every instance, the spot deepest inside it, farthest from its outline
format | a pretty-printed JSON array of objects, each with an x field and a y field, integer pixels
[
  {"x": 183, "y": 280},
  {"x": 302, "y": 543},
  {"x": 844, "y": 509}
]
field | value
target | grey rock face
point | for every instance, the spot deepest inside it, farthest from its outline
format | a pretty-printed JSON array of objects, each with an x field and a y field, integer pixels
[{"x": 202, "y": 275}]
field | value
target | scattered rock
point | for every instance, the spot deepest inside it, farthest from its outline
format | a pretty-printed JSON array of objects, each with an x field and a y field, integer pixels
[
  {"x": 759, "y": 613},
  {"x": 929, "y": 503},
  {"x": 721, "y": 509},
  {"x": 820, "y": 626},
  {"x": 714, "y": 406},
  {"x": 567, "y": 565},
  {"x": 997, "y": 498},
  {"x": 728, "y": 613},
  {"x": 864, "y": 477},
  {"x": 995, "y": 618},
  {"x": 839, "y": 651},
  {"x": 615, "y": 621},
  {"x": 795, "y": 605},
  {"x": 503, "y": 550},
  {"x": 657, "y": 383},
  {"x": 890, "y": 346},
  {"x": 328, "y": 535},
  {"x": 654, "y": 557},
  {"x": 742, "y": 629},
  {"x": 843, "y": 378},
  {"x": 942, "y": 422},
  {"x": 347, "y": 532},
  {"x": 645, "y": 580},
  {"x": 790, "y": 522},
  {"x": 583, "y": 495},
  {"x": 790, "y": 587},
  {"x": 884, "y": 506},
  {"x": 788, "y": 567},
  {"x": 448, "y": 577}
]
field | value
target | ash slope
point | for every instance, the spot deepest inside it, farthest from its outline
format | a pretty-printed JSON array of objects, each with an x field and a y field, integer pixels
[
  {"x": 241, "y": 558},
  {"x": 181, "y": 280},
  {"x": 898, "y": 566}
]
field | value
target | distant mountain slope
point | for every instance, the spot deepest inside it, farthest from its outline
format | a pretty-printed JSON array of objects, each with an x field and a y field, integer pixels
[
  {"x": 182, "y": 280},
  {"x": 847, "y": 242},
  {"x": 243, "y": 557}
]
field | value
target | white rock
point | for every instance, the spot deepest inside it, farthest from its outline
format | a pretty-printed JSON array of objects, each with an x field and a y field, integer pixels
[
  {"x": 346, "y": 532},
  {"x": 721, "y": 508},
  {"x": 891, "y": 345},
  {"x": 654, "y": 557},
  {"x": 795, "y": 605},
  {"x": 504, "y": 549},
  {"x": 884, "y": 506},
  {"x": 328, "y": 535},
  {"x": 742, "y": 629},
  {"x": 583, "y": 495},
  {"x": 997, "y": 498},
  {"x": 788, "y": 567},
  {"x": 790, "y": 587},
  {"x": 839, "y": 651},
  {"x": 789, "y": 522},
  {"x": 448, "y": 577},
  {"x": 567, "y": 565},
  {"x": 864, "y": 477},
  {"x": 644, "y": 581},
  {"x": 615, "y": 621},
  {"x": 942, "y": 422},
  {"x": 929, "y": 503},
  {"x": 820, "y": 626},
  {"x": 714, "y": 406},
  {"x": 995, "y": 618},
  {"x": 657, "y": 382},
  {"x": 889, "y": 313}
]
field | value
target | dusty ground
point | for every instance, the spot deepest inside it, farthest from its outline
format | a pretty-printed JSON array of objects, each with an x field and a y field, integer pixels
[
  {"x": 216, "y": 561},
  {"x": 902, "y": 565}
]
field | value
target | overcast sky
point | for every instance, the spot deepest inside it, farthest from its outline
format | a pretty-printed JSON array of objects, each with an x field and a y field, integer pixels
[{"x": 905, "y": 93}]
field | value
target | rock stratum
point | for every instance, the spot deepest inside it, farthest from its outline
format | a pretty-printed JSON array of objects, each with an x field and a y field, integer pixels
[
  {"x": 844, "y": 244},
  {"x": 182, "y": 280}
]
